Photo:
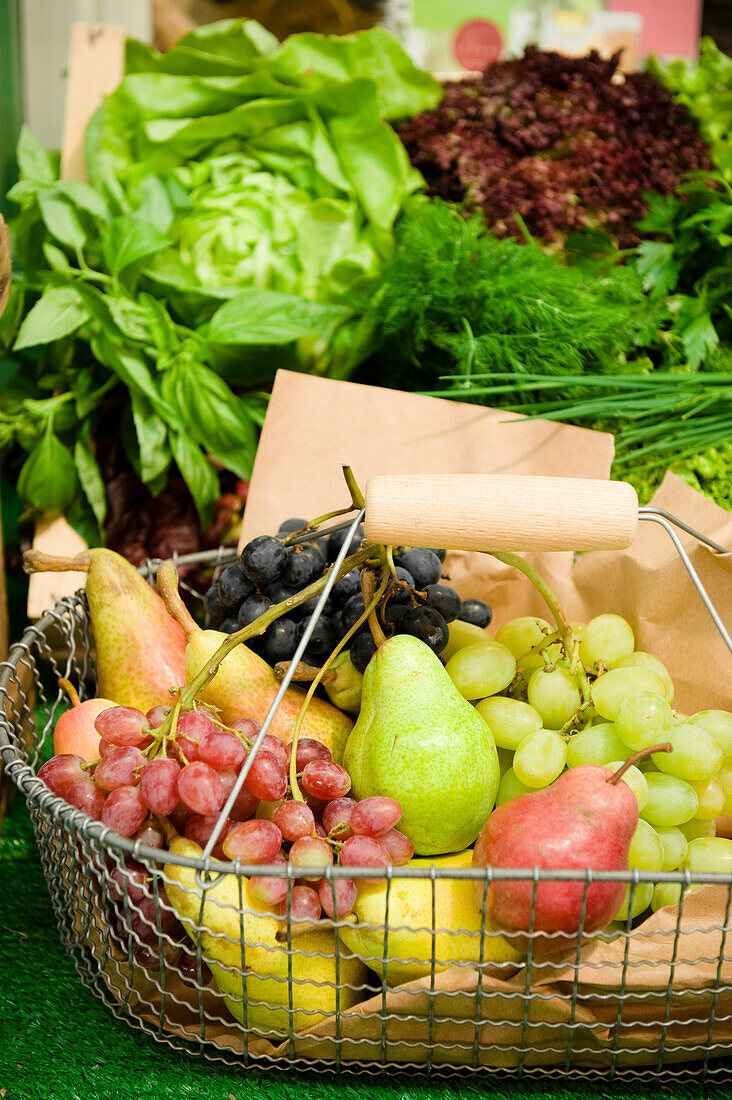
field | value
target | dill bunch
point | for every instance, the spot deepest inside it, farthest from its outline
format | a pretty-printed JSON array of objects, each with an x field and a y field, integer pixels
[{"x": 453, "y": 300}]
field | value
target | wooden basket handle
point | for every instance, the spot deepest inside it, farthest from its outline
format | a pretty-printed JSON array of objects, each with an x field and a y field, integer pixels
[{"x": 500, "y": 512}]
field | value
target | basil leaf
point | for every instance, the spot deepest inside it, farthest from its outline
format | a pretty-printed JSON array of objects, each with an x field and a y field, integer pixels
[
  {"x": 129, "y": 239},
  {"x": 34, "y": 162},
  {"x": 48, "y": 477},
  {"x": 198, "y": 474},
  {"x": 61, "y": 221},
  {"x": 58, "y": 260},
  {"x": 152, "y": 439},
  {"x": 85, "y": 197},
  {"x": 58, "y": 312},
  {"x": 268, "y": 317},
  {"x": 90, "y": 476},
  {"x": 130, "y": 368}
]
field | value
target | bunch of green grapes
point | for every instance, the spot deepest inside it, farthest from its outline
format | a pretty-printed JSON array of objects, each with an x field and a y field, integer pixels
[{"x": 597, "y": 700}]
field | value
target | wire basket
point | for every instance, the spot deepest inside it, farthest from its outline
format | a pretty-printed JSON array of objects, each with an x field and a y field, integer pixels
[{"x": 172, "y": 946}]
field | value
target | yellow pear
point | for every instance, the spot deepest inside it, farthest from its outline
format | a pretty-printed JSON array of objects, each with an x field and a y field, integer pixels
[
  {"x": 245, "y": 686},
  {"x": 240, "y": 939},
  {"x": 457, "y": 922}
]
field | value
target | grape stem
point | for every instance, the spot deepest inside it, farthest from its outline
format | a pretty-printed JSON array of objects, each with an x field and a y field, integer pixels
[
  {"x": 368, "y": 584},
  {"x": 666, "y": 746}
]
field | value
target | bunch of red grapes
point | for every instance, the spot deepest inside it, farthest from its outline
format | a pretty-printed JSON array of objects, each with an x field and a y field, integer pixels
[{"x": 190, "y": 778}]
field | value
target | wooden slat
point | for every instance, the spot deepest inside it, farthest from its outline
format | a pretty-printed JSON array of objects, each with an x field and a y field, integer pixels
[{"x": 96, "y": 66}]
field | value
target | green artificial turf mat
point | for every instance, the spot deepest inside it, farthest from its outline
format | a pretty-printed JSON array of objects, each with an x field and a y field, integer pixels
[{"x": 61, "y": 1043}]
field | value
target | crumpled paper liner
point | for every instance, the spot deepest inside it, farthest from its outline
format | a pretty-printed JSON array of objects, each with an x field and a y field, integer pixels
[{"x": 313, "y": 425}]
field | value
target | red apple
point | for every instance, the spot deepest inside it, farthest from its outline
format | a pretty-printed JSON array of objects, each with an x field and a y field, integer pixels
[{"x": 74, "y": 732}]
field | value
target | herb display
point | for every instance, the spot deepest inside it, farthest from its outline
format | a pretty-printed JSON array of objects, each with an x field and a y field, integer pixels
[
  {"x": 237, "y": 189},
  {"x": 565, "y": 143}
]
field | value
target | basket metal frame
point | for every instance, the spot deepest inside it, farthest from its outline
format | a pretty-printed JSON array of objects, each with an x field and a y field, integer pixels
[{"x": 68, "y": 839}]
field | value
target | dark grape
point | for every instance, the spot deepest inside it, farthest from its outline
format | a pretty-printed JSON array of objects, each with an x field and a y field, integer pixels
[
  {"x": 336, "y": 540},
  {"x": 280, "y": 640},
  {"x": 445, "y": 600},
  {"x": 476, "y": 612},
  {"x": 289, "y": 526},
  {"x": 278, "y": 592},
  {"x": 441, "y": 554},
  {"x": 424, "y": 565},
  {"x": 322, "y": 638},
  {"x": 353, "y": 609},
  {"x": 349, "y": 585},
  {"x": 307, "y": 608},
  {"x": 263, "y": 560},
  {"x": 428, "y": 625},
  {"x": 252, "y": 608},
  {"x": 213, "y": 605},
  {"x": 363, "y": 648},
  {"x": 336, "y": 621},
  {"x": 234, "y": 586},
  {"x": 399, "y": 594},
  {"x": 394, "y": 613},
  {"x": 229, "y": 625},
  {"x": 304, "y": 565}
]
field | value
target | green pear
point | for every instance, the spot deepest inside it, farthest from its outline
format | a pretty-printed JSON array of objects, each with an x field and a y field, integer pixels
[{"x": 419, "y": 741}]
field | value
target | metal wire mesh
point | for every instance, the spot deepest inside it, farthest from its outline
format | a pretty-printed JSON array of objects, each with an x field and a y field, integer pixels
[{"x": 186, "y": 957}]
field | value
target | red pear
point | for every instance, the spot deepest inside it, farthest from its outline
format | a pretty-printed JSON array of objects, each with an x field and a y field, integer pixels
[
  {"x": 74, "y": 732},
  {"x": 585, "y": 819}
]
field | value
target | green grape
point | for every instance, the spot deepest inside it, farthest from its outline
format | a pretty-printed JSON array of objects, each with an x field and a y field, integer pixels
[
  {"x": 665, "y": 893},
  {"x": 696, "y": 756},
  {"x": 725, "y": 778},
  {"x": 696, "y": 828},
  {"x": 643, "y": 719},
  {"x": 510, "y": 787},
  {"x": 460, "y": 635},
  {"x": 675, "y": 845},
  {"x": 719, "y": 724},
  {"x": 671, "y": 801},
  {"x": 709, "y": 855},
  {"x": 607, "y": 639},
  {"x": 634, "y": 778},
  {"x": 595, "y": 745},
  {"x": 509, "y": 720},
  {"x": 540, "y": 758},
  {"x": 640, "y": 659},
  {"x": 521, "y": 635},
  {"x": 481, "y": 669},
  {"x": 641, "y": 900},
  {"x": 610, "y": 689},
  {"x": 578, "y": 630},
  {"x": 711, "y": 799},
  {"x": 646, "y": 848},
  {"x": 555, "y": 695},
  {"x": 505, "y": 760}
]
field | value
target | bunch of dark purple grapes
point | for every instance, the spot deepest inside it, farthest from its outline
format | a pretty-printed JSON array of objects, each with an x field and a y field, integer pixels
[{"x": 270, "y": 571}]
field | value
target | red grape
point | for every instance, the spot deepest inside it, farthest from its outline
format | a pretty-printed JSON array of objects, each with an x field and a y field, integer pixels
[
  {"x": 308, "y": 749},
  {"x": 61, "y": 772},
  {"x": 253, "y": 841},
  {"x": 221, "y": 750},
  {"x": 156, "y": 716},
  {"x": 200, "y": 826},
  {"x": 267, "y": 891},
  {"x": 193, "y": 725},
  {"x": 244, "y": 806},
  {"x": 159, "y": 785},
  {"x": 320, "y": 830},
  {"x": 309, "y": 855},
  {"x": 374, "y": 816},
  {"x": 304, "y": 904},
  {"x": 294, "y": 819},
  {"x": 278, "y": 748},
  {"x": 200, "y": 788},
  {"x": 124, "y": 810},
  {"x": 105, "y": 747},
  {"x": 248, "y": 727},
  {"x": 337, "y": 817},
  {"x": 188, "y": 968},
  {"x": 345, "y": 896},
  {"x": 324, "y": 779},
  {"x": 149, "y": 957},
  {"x": 399, "y": 847},
  {"x": 86, "y": 796},
  {"x": 364, "y": 851},
  {"x": 179, "y": 816},
  {"x": 150, "y": 834},
  {"x": 267, "y": 779},
  {"x": 122, "y": 726},
  {"x": 119, "y": 768},
  {"x": 228, "y": 779},
  {"x": 130, "y": 880}
]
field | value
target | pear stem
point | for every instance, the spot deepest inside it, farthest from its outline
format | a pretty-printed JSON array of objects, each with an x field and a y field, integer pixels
[
  {"x": 36, "y": 561},
  {"x": 71, "y": 691},
  {"x": 618, "y": 775},
  {"x": 167, "y": 580},
  {"x": 304, "y": 674}
]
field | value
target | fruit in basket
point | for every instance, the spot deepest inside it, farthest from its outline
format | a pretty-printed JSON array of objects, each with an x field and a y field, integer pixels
[
  {"x": 345, "y": 686},
  {"x": 140, "y": 648},
  {"x": 593, "y": 818},
  {"x": 418, "y": 740},
  {"x": 409, "y": 943},
  {"x": 229, "y": 919},
  {"x": 74, "y": 731}
]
